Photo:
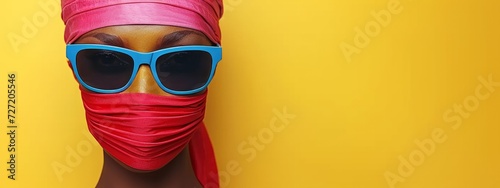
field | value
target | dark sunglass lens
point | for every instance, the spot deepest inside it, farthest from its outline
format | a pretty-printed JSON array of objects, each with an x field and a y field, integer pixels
[
  {"x": 184, "y": 71},
  {"x": 104, "y": 69}
]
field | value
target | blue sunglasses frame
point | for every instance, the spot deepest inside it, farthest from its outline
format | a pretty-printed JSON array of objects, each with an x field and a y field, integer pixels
[{"x": 141, "y": 58}]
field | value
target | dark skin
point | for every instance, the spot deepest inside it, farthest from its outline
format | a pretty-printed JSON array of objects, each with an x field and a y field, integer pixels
[{"x": 146, "y": 38}]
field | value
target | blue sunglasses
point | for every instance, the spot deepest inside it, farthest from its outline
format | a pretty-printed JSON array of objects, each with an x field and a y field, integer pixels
[{"x": 181, "y": 70}]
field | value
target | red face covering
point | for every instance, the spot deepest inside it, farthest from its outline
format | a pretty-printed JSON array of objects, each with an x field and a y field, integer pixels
[{"x": 146, "y": 131}]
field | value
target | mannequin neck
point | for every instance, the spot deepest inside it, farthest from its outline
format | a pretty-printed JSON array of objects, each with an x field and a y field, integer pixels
[{"x": 177, "y": 173}]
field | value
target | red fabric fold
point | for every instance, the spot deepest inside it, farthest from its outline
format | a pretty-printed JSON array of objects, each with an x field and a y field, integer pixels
[{"x": 146, "y": 131}]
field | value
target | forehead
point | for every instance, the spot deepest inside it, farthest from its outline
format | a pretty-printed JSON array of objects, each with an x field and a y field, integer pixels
[{"x": 144, "y": 37}]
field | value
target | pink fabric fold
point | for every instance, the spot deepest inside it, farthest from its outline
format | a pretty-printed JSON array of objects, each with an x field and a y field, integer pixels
[{"x": 82, "y": 16}]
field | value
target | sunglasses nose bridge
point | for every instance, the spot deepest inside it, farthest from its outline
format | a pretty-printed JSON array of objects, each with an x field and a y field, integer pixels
[{"x": 144, "y": 58}]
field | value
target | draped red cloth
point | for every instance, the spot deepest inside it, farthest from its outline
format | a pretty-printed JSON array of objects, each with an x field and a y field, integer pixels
[{"x": 146, "y": 131}]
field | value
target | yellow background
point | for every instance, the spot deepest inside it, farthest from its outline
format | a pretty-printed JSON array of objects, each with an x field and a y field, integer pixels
[{"x": 352, "y": 119}]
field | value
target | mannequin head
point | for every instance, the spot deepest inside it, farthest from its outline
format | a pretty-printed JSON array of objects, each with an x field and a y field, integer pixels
[{"x": 151, "y": 121}]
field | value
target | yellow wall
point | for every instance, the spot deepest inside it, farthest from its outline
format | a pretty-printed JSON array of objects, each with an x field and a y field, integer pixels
[{"x": 305, "y": 96}]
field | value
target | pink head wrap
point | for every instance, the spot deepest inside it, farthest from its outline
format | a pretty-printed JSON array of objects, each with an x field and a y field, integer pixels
[{"x": 82, "y": 16}]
